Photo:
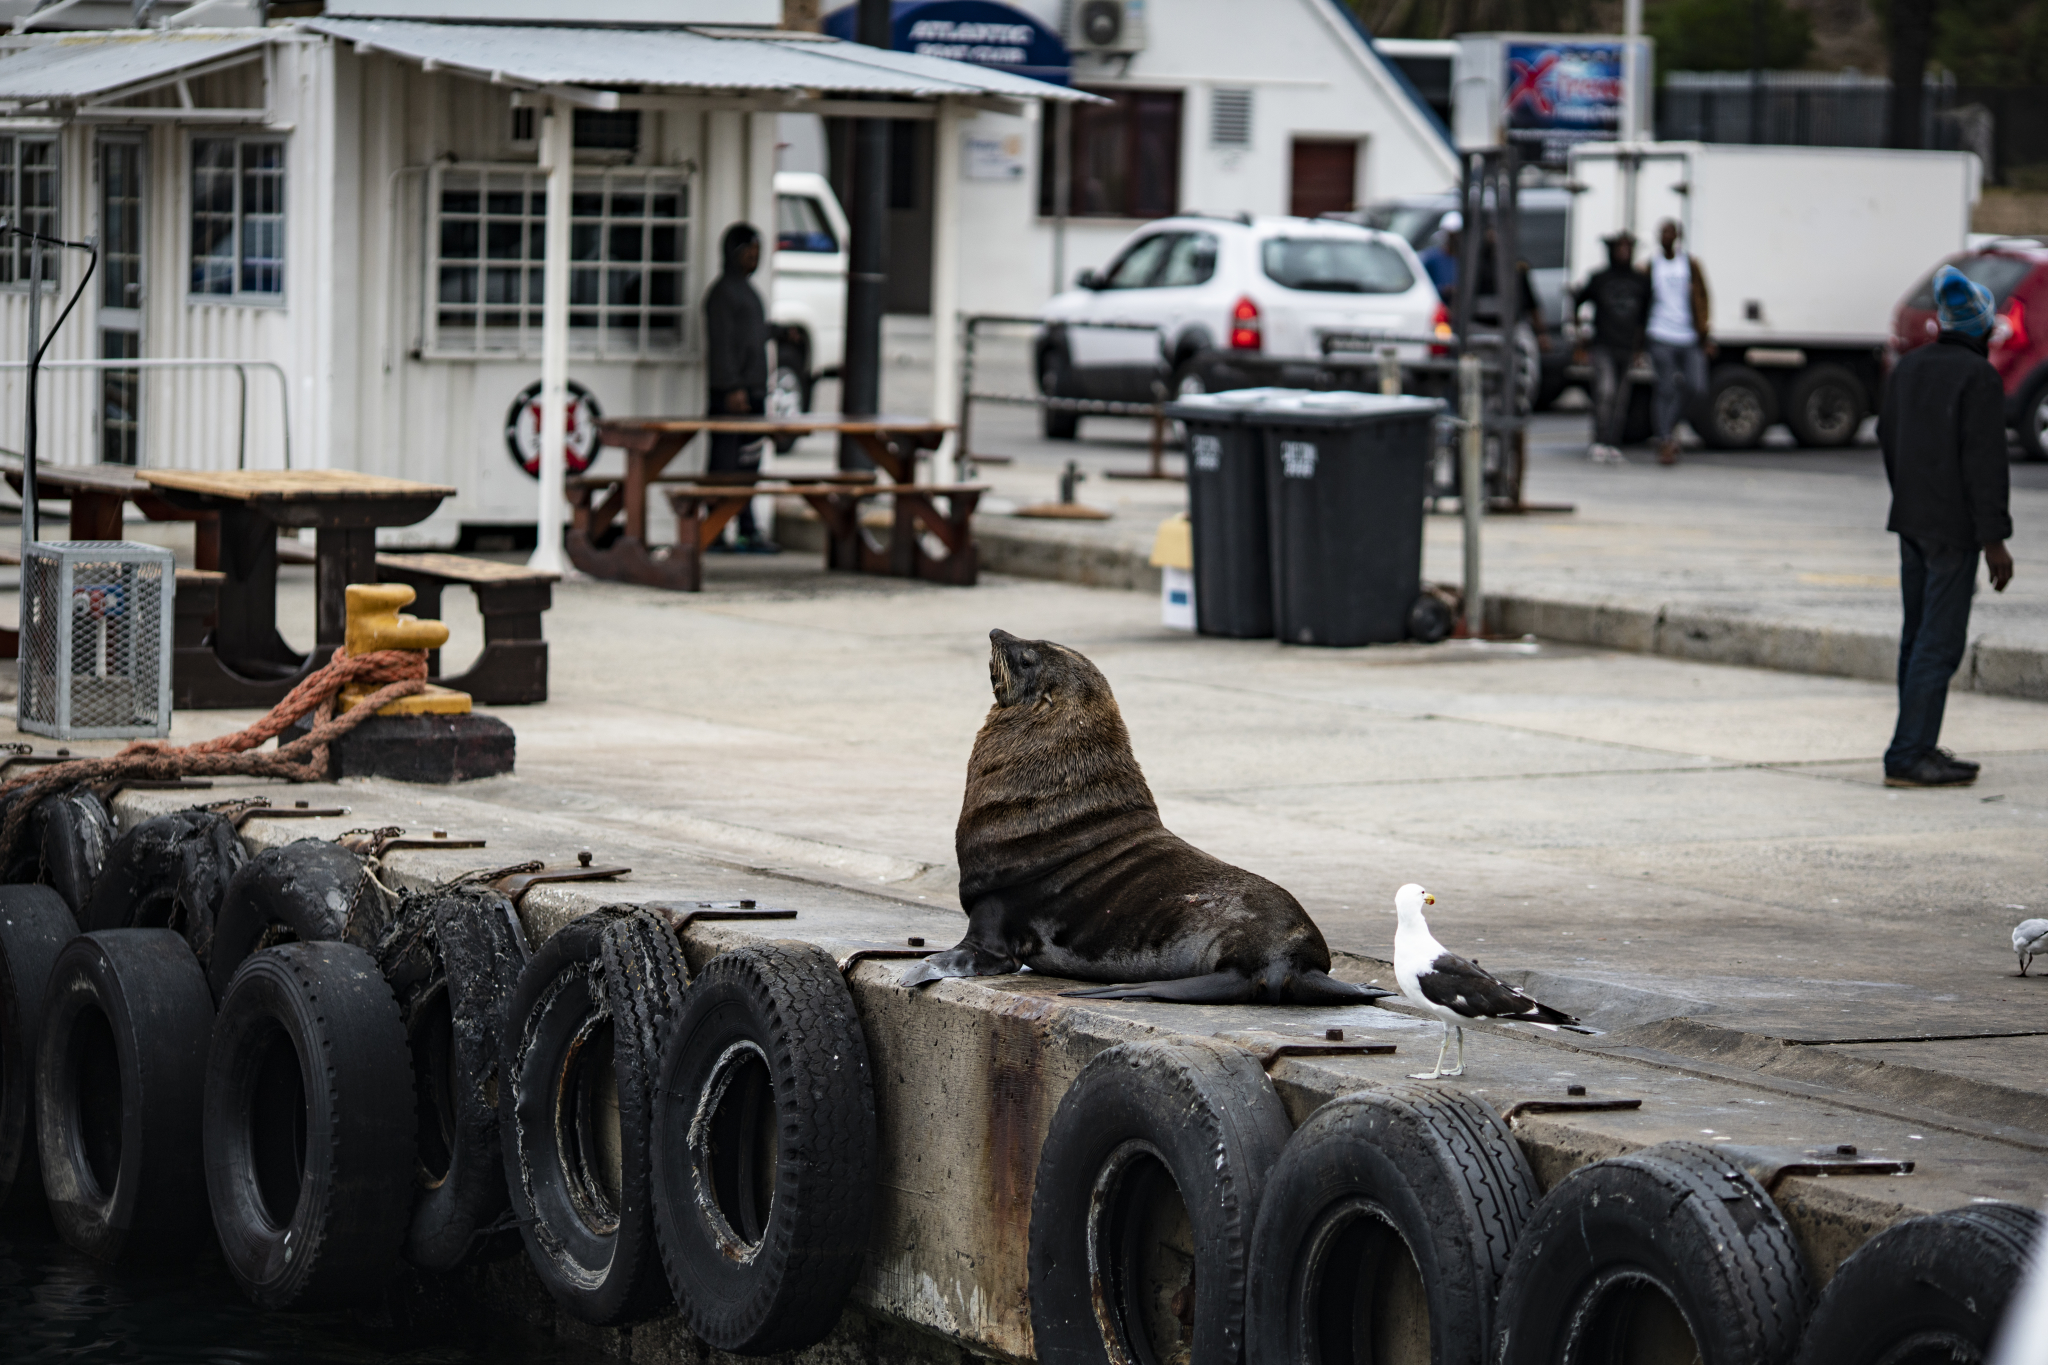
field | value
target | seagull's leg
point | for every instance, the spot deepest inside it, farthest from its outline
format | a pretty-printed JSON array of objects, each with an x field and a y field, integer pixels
[
  {"x": 1459, "y": 1069},
  {"x": 2025, "y": 958},
  {"x": 1432, "y": 1075}
]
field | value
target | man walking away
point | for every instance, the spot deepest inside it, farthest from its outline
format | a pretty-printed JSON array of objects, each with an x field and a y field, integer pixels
[
  {"x": 1943, "y": 432},
  {"x": 1679, "y": 313},
  {"x": 1620, "y": 295},
  {"x": 736, "y": 366}
]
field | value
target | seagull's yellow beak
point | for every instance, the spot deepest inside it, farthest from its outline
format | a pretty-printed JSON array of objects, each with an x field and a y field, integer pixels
[{"x": 1428, "y": 899}]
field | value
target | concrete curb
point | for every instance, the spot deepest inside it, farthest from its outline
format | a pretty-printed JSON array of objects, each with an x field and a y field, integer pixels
[{"x": 1051, "y": 551}]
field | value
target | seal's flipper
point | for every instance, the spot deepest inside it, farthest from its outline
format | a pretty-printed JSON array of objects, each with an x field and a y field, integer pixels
[
  {"x": 1217, "y": 988},
  {"x": 963, "y": 959},
  {"x": 921, "y": 974},
  {"x": 1320, "y": 988}
]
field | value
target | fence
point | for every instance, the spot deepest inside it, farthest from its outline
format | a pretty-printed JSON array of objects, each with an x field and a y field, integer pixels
[{"x": 1814, "y": 109}]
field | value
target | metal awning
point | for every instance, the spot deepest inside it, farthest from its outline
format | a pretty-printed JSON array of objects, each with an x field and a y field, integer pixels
[
  {"x": 681, "y": 61},
  {"x": 90, "y": 69}
]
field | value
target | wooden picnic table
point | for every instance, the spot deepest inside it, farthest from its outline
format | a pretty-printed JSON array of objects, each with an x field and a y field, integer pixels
[
  {"x": 96, "y": 493},
  {"x": 247, "y": 663},
  {"x": 649, "y": 443},
  {"x": 703, "y": 509}
]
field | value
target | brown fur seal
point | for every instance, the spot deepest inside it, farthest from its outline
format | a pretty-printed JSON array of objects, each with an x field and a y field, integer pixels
[{"x": 1065, "y": 868}]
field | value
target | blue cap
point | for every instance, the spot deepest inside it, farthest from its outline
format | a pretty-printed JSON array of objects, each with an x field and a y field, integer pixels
[{"x": 1961, "y": 303}]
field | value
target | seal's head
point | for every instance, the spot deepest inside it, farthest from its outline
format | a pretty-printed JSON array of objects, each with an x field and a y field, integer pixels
[{"x": 1030, "y": 673}]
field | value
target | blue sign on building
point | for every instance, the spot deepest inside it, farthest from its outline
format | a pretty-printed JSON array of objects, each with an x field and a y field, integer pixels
[
  {"x": 977, "y": 31},
  {"x": 1562, "y": 93}
]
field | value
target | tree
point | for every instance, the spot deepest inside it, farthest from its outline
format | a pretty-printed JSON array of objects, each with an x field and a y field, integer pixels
[{"x": 1720, "y": 35}]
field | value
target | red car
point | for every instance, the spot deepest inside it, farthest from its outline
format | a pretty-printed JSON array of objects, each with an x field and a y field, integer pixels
[{"x": 2015, "y": 270}]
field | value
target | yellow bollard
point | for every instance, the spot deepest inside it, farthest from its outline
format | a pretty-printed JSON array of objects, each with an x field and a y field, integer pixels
[{"x": 374, "y": 623}]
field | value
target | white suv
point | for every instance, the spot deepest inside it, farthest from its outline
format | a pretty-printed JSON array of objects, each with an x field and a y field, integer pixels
[{"x": 1228, "y": 302}]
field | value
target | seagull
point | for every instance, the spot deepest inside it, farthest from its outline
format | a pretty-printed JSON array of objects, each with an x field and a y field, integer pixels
[
  {"x": 2030, "y": 936},
  {"x": 1453, "y": 989}
]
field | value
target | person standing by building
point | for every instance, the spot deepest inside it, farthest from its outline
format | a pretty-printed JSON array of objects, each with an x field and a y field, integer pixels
[
  {"x": 1942, "y": 428},
  {"x": 736, "y": 365},
  {"x": 1440, "y": 258},
  {"x": 1679, "y": 316},
  {"x": 1620, "y": 295}
]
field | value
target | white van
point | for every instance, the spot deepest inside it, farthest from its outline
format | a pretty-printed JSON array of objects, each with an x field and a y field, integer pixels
[{"x": 807, "y": 310}]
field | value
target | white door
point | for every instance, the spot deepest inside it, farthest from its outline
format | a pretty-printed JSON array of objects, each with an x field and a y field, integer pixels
[
  {"x": 121, "y": 297},
  {"x": 1127, "y": 293}
]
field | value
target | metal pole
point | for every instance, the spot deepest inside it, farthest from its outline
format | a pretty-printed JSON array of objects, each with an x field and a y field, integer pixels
[
  {"x": 1390, "y": 372},
  {"x": 1631, "y": 70},
  {"x": 241, "y": 436},
  {"x": 946, "y": 284},
  {"x": 558, "y": 154},
  {"x": 860, "y": 384},
  {"x": 1472, "y": 486},
  {"x": 1062, "y": 188},
  {"x": 30, "y": 513},
  {"x": 1756, "y": 72}
]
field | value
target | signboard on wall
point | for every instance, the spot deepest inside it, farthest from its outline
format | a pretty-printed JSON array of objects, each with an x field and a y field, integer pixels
[
  {"x": 1545, "y": 93},
  {"x": 980, "y": 32}
]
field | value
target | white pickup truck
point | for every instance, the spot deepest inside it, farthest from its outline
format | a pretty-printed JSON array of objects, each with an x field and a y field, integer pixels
[
  {"x": 1806, "y": 250},
  {"x": 807, "y": 304}
]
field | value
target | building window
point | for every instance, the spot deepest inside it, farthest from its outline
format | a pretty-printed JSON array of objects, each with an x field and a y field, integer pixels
[
  {"x": 1125, "y": 156},
  {"x": 628, "y": 240},
  {"x": 28, "y": 195},
  {"x": 238, "y": 217}
]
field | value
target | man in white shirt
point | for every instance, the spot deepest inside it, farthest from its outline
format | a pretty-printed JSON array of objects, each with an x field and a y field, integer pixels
[{"x": 1679, "y": 313}]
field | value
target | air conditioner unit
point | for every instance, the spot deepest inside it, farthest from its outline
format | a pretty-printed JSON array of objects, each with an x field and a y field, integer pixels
[{"x": 1109, "y": 26}]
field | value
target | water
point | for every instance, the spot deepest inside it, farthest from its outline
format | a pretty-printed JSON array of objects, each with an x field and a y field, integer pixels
[{"x": 59, "y": 1306}]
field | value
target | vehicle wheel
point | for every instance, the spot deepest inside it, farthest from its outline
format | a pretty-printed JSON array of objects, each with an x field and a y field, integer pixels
[
  {"x": 120, "y": 1081},
  {"x": 764, "y": 1150},
  {"x": 583, "y": 1037},
  {"x": 1927, "y": 1289},
  {"x": 455, "y": 959},
  {"x": 1154, "y": 1165},
  {"x": 1827, "y": 406},
  {"x": 307, "y": 891},
  {"x": 1056, "y": 380},
  {"x": 309, "y": 1127},
  {"x": 1738, "y": 407},
  {"x": 1639, "y": 422},
  {"x": 169, "y": 872},
  {"x": 788, "y": 396},
  {"x": 2034, "y": 423},
  {"x": 1430, "y": 619},
  {"x": 35, "y": 924},
  {"x": 1385, "y": 1231},
  {"x": 1672, "y": 1252}
]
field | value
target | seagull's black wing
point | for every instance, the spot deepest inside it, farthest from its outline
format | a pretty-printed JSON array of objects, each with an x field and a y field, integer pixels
[{"x": 1467, "y": 988}]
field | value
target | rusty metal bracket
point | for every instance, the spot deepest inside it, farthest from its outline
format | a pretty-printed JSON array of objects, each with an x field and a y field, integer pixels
[
  {"x": 518, "y": 884},
  {"x": 297, "y": 810},
  {"x": 26, "y": 754},
  {"x": 1576, "y": 1104},
  {"x": 1770, "y": 1165},
  {"x": 680, "y": 919},
  {"x": 153, "y": 784},
  {"x": 1270, "y": 1057},
  {"x": 440, "y": 839},
  {"x": 884, "y": 952}
]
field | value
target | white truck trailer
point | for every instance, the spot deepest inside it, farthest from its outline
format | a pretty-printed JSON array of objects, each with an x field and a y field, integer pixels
[{"x": 1806, "y": 250}]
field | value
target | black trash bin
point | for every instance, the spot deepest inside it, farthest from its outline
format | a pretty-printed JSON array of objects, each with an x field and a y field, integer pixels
[
  {"x": 1345, "y": 478},
  {"x": 1226, "y": 462}
]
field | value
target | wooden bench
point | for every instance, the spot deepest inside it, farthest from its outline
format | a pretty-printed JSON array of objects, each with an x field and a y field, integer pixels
[
  {"x": 513, "y": 668},
  {"x": 703, "y": 509}
]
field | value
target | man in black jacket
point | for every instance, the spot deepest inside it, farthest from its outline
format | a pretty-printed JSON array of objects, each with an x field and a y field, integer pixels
[
  {"x": 736, "y": 364},
  {"x": 1943, "y": 433},
  {"x": 1620, "y": 296}
]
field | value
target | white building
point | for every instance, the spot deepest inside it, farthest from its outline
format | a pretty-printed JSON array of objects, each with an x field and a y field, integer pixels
[
  {"x": 359, "y": 203},
  {"x": 1226, "y": 106}
]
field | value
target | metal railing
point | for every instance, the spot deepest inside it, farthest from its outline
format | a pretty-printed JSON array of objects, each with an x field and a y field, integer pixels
[
  {"x": 240, "y": 367},
  {"x": 1100, "y": 407}
]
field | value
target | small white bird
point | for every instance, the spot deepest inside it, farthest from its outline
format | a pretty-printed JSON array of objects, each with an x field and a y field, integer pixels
[
  {"x": 2030, "y": 936},
  {"x": 1453, "y": 989}
]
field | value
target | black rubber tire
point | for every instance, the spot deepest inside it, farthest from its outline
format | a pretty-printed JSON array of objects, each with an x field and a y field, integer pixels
[
  {"x": 120, "y": 1078},
  {"x": 453, "y": 969},
  {"x": 1826, "y": 407},
  {"x": 1155, "y": 1143},
  {"x": 2032, "y": 426},
  {"x": 1430, "y": 619},
  {"x": 764, "y": 1149},
  {"x": 591, "y": 1010},
  {"x": 169, "y": 872},
  {"x": 1647, "y": 1247},
  {"x": 307, "y": 891},
  {"x": 1639, "y": 418},
  {"x": 35, "y": 924},
  {"x": 1056, "y": 380},
  {"x": 1391, "y": 1210},
  {"x": 1738, "y": 407},
  {"x": 310, "y": 1183},
  {"x": 1928, "y": 1291},
  {"x": 63, "y": 844}
]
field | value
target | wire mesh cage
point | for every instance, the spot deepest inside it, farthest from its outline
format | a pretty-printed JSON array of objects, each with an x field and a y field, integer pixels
[{"x": 96, "y": 639}]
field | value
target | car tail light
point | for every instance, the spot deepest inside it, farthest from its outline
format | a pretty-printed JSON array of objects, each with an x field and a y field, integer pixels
[
  {"x": 1244, "y": 326},
  {"x": 2012, "y": 331},
  {"x": 1441, "y": 325}
]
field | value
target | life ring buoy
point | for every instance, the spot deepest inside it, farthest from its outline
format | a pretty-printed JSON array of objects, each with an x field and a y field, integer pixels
[
  {"x": 35, "y": 924},
  {"x": 169, "y": 872},
  {"x": 583, "y": 1039},
  {"x": 308, "y": 1125},
  {"x": 1154, "y": 1165},
  {"x": 120, "y": 1075},
  {"x": 1389, "y": 1220},
  {"x": 1675, "y": 1244},
  {"x": 1932, "y": 1288},
  {"x": 765, "y": 1149}
]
